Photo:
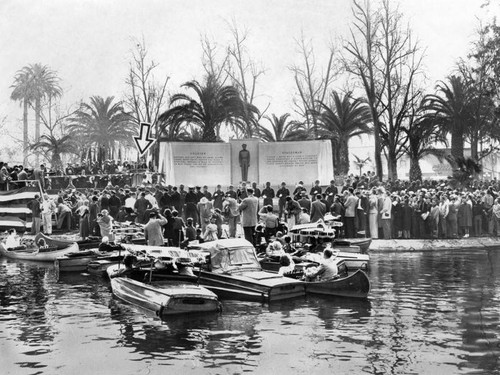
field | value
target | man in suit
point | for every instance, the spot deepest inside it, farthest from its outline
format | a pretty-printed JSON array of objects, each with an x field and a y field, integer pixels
[
  {"x": 218, "y": 197},
  {"x": 268, "y": 194},
  {"x": 318, "y": 209},
  {"x": 248, "y": 209},
  {"x": 282, "y": 194},
  {"x": 304, "y": 201},
  {"x": 315, "y": 190}
]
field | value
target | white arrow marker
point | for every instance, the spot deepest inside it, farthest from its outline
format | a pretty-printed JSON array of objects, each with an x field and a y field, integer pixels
[{"x": 144, "y": 141}]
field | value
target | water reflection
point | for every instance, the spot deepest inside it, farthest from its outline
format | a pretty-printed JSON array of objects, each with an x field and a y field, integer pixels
[{"x": 427, "y": 313}]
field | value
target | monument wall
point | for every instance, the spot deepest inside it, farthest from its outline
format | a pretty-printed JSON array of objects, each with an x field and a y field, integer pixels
[
  {"x": 295, "y": 161},
  {"x": 195, "y": 163},
  {"x": 210, "y": 164}
]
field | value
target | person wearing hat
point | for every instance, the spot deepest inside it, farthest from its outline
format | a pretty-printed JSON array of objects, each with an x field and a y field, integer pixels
[
  {"x": 350, "y": 206},
  {"x": 36, "y": 214},
  {"x": 244, "y": 160},
  {"x": 248, "y": 209},
  {"x": 182, "y": 201},
  {"x": 282, "y": 194},
  {"x": 205, "y": 210},
  {"x": 199, "y": 194},
  {"x": 191, "y": 205}
]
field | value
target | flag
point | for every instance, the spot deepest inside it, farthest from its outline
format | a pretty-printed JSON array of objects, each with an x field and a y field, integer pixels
[{"x": 14, "y": 211}]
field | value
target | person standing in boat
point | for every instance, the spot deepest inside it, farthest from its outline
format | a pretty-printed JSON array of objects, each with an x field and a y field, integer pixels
[
  {"x": 48, "y": 208},
  {"x": 248, "y": 209},
  {"x": 153, "y": 229},
  {"x": 83, "y": 212},
  {"x": 106, "y": 224}
]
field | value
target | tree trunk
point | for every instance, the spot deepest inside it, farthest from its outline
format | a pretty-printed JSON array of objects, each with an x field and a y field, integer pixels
[
  {"x": 392, "y": 165},
  {"x": 335, "y": 160},
  {"x": 457, "y": 142},
  {"x": 25, "y": 132},
  {"x": 415, "y": 170},
  {"x": 378, "y": 144},
  {"x": 343, "y": 156},
  {"x": 209, "y": 134},
  {"x": 473, "y": 145},
  {"x": 37, "y": 127}
]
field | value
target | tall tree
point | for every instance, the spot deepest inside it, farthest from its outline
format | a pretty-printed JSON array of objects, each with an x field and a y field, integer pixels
[
  {"x": 451, "y": 108},
  {"x": 22, "y": 92},
  {"x": 312, "y": 83},
  {"x": 53, "y": 147},
  {"x": 104, "y": 125},
  {"x": 244, "y": 73},
  {"x": 146, "y": 97},
  {"x": 213, "y": 106},
  {"x": 387, "y": 61},
  {"x": 423, "y": 135},
  {"x": 33, "y": 84},
  {"x": 282, "y": 129},
  {"x": 341, "y": 119}
]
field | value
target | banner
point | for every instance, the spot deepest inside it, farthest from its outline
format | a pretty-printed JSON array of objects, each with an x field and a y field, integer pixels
[
  {"x": 197, "y": 163},
  {"x": 291, "y": 162}
]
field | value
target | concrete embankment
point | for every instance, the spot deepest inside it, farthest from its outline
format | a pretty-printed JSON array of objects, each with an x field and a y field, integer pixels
[{"x": 412, "y": 245}]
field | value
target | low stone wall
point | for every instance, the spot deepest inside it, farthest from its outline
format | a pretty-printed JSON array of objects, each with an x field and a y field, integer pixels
[{"x": 434, "y": 245}]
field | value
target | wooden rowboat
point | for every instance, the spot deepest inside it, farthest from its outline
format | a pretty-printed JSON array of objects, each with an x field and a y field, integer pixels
[
  {"x": 356, "y": 285},
  {"x": 33, "y": 252},
  {"x": 164, "y": 298}
]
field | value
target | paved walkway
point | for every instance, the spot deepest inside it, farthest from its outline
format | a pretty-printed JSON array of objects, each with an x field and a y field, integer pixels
[{"x": 432, "y": 245}]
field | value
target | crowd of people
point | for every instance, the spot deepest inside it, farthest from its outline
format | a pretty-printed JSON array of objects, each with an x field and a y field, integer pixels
[
  {"x": 366, "y": 207},
  {"x": 78, "y": 175}
]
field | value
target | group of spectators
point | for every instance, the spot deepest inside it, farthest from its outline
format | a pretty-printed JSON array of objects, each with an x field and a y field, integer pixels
[
  {"x": 366, "y": 207},
  {"x": 84, "y": 175}
]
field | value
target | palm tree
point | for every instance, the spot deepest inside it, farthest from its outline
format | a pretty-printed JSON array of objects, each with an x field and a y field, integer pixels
[
  {"x": 282, "y": 129},
  {"x": 55, "y": 147},
  {"x": 45, "y": 85},
  {"x": 103, "y": 125},
  {"x": 452, "y": 111},
  {"x": 422, "y": 135},
  {"x": 33, "y": 83},
  {"x": 213, "y": 106},
  {"x": 341, "y": 120},
  {"x": 22, "y": 92}
]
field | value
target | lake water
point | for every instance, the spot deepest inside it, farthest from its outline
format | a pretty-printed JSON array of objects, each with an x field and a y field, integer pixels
[{"x": 428, "y": 313}]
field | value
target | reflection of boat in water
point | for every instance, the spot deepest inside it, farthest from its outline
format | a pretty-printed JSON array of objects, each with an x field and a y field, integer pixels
[
  {"x": 32, "y": 251},
  {"x": 165, "y": 297}
]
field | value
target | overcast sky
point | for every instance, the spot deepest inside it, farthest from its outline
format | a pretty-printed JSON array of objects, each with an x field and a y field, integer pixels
[{"x": 88, "y": 42}]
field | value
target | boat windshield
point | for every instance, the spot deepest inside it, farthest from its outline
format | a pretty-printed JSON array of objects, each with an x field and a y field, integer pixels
[{"x": 235, "y": 259}]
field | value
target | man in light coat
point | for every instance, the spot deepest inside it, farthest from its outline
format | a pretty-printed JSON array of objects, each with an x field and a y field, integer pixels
[
  {"x": 248, "y": 209},
  {"x": 230, "y": 206},
  {"x": 153, "y": 229}
]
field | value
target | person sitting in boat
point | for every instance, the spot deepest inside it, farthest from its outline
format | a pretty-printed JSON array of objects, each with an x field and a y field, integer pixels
[
  {"x": 107, "y": 246},
  {"x": 128, "y": 270},
  {"x": 287, "y": 264},
  {"x": 42, "y": 244},
  {"x": 327, "y": 270},
  {"x": 275, "y": 249},
  {"x": 12, "y": 241}
]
